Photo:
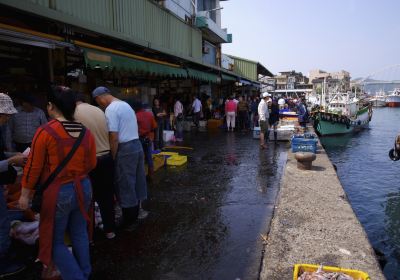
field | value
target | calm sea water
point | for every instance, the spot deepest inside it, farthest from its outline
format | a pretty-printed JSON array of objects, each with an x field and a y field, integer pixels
[{"x": 372, "y": 182}]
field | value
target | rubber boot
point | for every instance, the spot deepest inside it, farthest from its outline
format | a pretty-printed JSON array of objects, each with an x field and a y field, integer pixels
[{"x": 276, "y": 136}]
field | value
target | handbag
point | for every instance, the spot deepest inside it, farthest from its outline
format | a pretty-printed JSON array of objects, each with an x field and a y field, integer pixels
[{"x": 39, "y": 190}]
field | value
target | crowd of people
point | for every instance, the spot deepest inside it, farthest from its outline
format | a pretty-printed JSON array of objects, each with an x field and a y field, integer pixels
[
  {"x": 83, "y": 154},
  {"x": 265, "y": 112}
]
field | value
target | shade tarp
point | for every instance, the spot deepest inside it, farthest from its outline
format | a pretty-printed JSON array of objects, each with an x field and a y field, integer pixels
[
  {"x": 228, "y": 77},
  {"x": 106, "y": 60},
  {"x": 203, "y": 76}
]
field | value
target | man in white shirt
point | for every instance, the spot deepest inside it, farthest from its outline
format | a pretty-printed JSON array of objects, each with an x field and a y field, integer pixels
[
  {"x": 127, "y": 152},
  {"x": 196, "y": 108},
  {"x": 178, "y": 114},
  {"x": 263, "y": 116}
]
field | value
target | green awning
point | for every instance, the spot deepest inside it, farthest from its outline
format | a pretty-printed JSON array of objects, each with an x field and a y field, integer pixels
[
  {"x": 203, "y": 76},
  {"x": 106, "y": 60},
  {"x": 228, "y": 77}
]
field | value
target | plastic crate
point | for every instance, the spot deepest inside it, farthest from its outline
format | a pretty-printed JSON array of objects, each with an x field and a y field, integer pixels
[
  {"x": 301, "y": 144},
  {"x": 301, "y": 268},
  {"x": 214, "y": 124}
]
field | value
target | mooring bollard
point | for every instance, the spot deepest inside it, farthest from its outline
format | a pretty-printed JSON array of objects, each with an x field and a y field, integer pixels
[{"x": 304, "y": 160}]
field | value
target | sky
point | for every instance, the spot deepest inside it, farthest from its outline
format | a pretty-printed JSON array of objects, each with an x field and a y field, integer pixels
[{"x": 359, "y": 36}]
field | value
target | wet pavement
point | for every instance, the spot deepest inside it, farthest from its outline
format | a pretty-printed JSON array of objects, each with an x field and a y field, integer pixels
[{"x": 205, "y": 218}]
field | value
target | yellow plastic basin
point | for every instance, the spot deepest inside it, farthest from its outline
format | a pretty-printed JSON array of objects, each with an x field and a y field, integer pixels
[
  {"x": 176, "y": 160},
  {"x": 301, "y": 268}
]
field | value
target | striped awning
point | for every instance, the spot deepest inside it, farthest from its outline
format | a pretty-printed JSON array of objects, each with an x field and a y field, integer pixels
[
  {"x": 98, "y": 59},
  {"x": 203, "y": 76}
]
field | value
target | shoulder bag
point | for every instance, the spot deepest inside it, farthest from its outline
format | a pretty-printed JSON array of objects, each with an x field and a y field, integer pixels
[{"x": 39, "y": 190}]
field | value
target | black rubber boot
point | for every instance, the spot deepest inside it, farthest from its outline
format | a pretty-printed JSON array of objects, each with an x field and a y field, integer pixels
[{"x": 276, "y": 136}]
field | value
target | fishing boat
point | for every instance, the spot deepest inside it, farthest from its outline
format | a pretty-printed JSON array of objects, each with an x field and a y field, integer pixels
[
  {"x": 393, "y": 99},
  {"x": 342, "y": 113},
  {"x": 379, "y": 100}
]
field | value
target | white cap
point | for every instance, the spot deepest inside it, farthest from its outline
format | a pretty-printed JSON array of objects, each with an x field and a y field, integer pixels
[{"x": 266, "y": 94}]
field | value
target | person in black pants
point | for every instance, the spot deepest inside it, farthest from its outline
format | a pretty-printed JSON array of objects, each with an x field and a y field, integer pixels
[
  {"x": 274, "y": 118},
  {"x": 102, "y": 176}
]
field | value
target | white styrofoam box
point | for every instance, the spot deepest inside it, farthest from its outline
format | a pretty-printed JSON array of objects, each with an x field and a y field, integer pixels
[
  {"x": 256, "y": 132},
  {"x": 283, "y": 134},
  {"x": 168, "y": 135},
  {"x": 203, "y": 123}
]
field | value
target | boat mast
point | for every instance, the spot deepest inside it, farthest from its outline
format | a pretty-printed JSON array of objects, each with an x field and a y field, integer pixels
[{"x": 323, "y": 94}]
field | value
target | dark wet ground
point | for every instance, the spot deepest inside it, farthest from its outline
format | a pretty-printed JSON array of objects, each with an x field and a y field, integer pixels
[{"x": 205, "y": 218}]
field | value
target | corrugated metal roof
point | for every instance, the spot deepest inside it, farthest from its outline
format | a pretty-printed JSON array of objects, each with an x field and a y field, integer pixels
[
  {"x": 245, "y": 68},
  {"x": 142, "y": 22}
]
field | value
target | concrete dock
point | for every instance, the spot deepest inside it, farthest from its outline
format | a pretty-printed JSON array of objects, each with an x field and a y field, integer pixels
[{"x": 315, "y": 224}]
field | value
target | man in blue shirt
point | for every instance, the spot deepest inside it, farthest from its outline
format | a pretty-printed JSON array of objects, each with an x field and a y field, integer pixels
[{"x": 127, "y": 152}]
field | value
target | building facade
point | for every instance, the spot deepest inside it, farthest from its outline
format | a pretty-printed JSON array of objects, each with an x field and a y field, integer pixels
[
  {"x": 338, "y": 80},
  {"x": 290, "y": 80}
]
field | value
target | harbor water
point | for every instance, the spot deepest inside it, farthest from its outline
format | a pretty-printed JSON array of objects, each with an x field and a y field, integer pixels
[{"x": 372, "y": 182}]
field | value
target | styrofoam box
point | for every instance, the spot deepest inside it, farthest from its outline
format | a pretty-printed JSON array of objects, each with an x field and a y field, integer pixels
[
  {"x": 168, "y": 135},
  {"x": 282, "y": 133},
  {"x": 256, "y": 132},
  {"x": 203, "y": 123}
]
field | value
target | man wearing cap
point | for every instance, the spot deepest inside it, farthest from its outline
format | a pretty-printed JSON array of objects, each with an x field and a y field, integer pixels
[
  {"x": 127, "y": 153},
  {"x": 8, "y": 265},
  {"x": 25, "y": 122},
  {"x": 263, "y": 116}
]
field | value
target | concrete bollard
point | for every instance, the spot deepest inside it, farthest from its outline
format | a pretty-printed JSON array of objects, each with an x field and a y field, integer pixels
[{"x": 304, "y": 160}]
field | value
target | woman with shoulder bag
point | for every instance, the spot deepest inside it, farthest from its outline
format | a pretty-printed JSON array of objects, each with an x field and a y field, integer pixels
[{"x": 66, "y": 148}]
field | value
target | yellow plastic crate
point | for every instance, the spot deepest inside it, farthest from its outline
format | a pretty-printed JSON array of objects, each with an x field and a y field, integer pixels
[
  {"x": 176, "y": 160},
  {"x": 301, "y": 268}
]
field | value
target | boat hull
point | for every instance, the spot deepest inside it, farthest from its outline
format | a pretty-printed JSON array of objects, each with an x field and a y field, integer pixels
[
  {"x": 393, "y": 101},
  {"x": 331, "y": 124},
  {"x": 393, "y": 104}
]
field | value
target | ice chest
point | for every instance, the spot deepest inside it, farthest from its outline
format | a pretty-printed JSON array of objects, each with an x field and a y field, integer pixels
[
  {"x": 301, "y": 144},
  {"x": 299, "y": 269},
  {"x": 256, "y": 132},
  {"x": 168, "y": 135}
]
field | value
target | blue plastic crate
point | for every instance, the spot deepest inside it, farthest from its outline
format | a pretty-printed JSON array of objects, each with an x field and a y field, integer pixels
[{"x": 301, "y": 144}]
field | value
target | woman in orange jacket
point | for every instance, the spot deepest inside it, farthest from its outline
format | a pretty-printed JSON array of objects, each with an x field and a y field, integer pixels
[{"x": 67, "y": 199}]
